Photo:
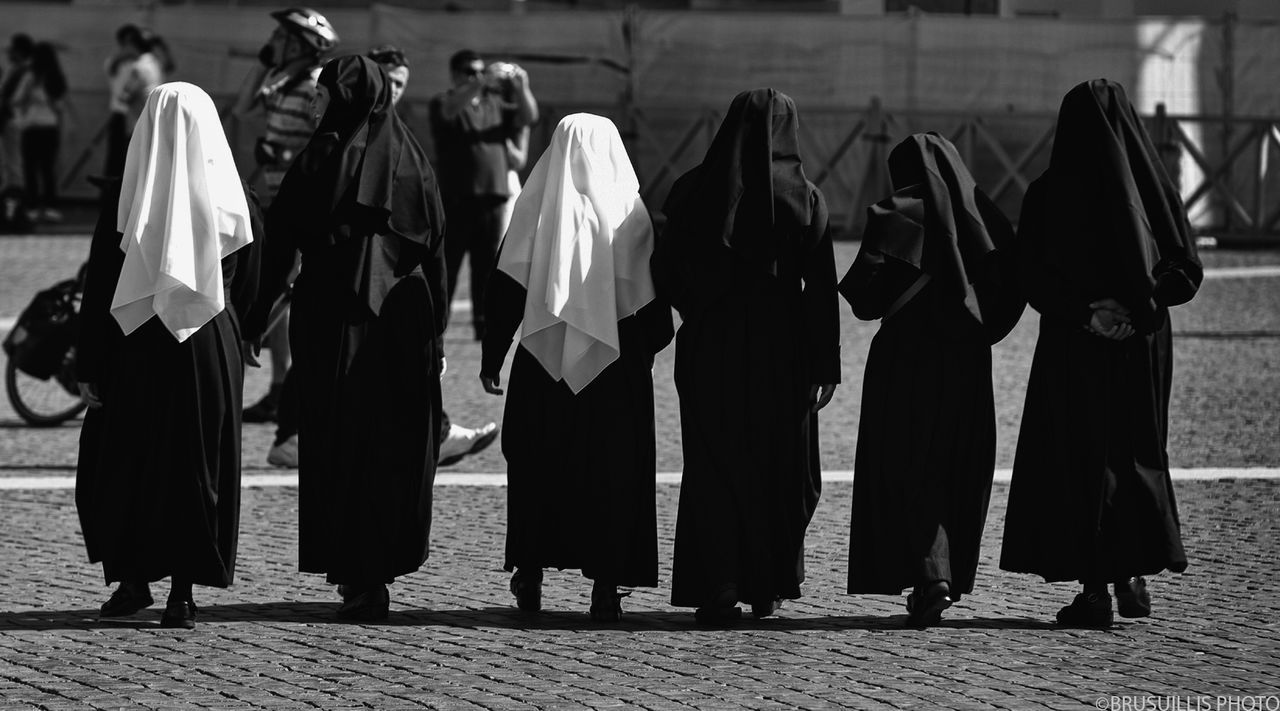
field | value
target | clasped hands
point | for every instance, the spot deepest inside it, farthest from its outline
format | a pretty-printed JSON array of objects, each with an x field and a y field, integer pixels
[{"x": 1110, "y": 320}]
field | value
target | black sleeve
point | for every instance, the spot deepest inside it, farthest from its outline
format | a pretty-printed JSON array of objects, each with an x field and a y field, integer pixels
[
  {"x": 1000, "y": 296},
  {"x": 670, "y": 264},
  {"x": 874, "y": 282},
  {"x": 278, "y": 257},
  {"x": 248, "y": 260},
  {"x": 437, "y": 281},
  {"x": 503, "y": 312},
  {"x": 650, "y": 329},
  {"x": 820, "y": 304},
  {"x": 1177, "y": 281},
  {"x": 96, "y": 327}
]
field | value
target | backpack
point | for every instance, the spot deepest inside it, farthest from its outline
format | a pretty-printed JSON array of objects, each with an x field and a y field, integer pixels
[{"x": 45, "y": 331}]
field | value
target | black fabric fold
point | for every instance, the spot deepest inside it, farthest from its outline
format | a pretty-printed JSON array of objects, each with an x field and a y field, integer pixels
[
  {"x": 749, "y": 196},
  {"x": 364, "y": 171}
]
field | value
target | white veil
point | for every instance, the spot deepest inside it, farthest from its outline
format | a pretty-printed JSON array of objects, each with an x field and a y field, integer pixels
[
  {"x": 579, "y": 242},
  {"x": 182, "y": 209}
]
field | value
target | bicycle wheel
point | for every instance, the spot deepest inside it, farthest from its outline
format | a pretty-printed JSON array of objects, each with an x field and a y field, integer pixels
[{"x": 42, "y": 403}]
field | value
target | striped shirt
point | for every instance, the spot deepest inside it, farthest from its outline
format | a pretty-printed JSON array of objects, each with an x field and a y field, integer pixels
[{"x": 289, "y": 120}]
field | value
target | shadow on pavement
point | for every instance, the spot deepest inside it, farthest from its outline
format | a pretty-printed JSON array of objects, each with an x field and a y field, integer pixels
[{"x": 490, "y": 617}]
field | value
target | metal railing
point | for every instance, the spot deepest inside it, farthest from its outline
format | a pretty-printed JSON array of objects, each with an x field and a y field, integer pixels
[{"x": 1233, "y": 188}]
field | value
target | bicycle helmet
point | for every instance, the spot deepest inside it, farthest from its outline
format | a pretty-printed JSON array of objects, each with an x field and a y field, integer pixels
[{"x": 310, "y": 25}]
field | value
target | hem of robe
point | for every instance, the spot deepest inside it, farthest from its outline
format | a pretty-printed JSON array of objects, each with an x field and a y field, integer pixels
[
  {"x": 622, "y": 581},
  {"x": 154, "y": 575},
  {"x": 349, "y": 576},
  {"x": 685, "y": 601},
  {"x": 1065, "y": 577},
  {"x": 852, "y": 589}
]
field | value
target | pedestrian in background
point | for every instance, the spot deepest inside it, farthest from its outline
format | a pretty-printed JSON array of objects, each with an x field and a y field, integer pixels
[
  {"x": 282, "y": 87},
  {"x": 455, "y": 442},
  {"x": 40, "y": 112},
  {"x": 19, "y": 56},
  {"x": 1105, "y": 251},
  {"x": 472, "y": 124},
  {"x": 937, "y": 268},
  {"x": 574, "y": 270},
  {"x": 361, "y": 204},
  {"x": 172, "y": 265},
  {"x": 133, "y": 71},
  {"x": 746, "y": 259}
]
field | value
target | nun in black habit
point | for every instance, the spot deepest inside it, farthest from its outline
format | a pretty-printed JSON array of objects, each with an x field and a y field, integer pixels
[
  {"x": 173, "y": 261},
  {"x": 361, "y": 203},
  {"x": 573, "y": 274},
  {"x": 937, "y": 268},
  {"x": 746, "y": 259},
  {"x": 1105, "y": 250}
]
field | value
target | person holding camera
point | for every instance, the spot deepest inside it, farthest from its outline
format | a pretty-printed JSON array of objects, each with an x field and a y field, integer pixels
[
  {"x": 283, "y": 86},
  {"x": 474, "y": 125},
  {"x": 455, "y": 442}
]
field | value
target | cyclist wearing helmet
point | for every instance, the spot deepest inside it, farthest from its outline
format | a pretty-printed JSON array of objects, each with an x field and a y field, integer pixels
[{"x": 284, "y": 85}]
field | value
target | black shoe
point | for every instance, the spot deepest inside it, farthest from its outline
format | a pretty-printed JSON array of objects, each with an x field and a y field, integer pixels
[
  {"x": 926, "y": 603},
  {"x": 1091, "y": 610},
  {"x": 179, "y": 614},
  {"x": 127, "y": 600},
  {"x": 265, "y": 409},
  {"x": 1132, "y": 598},
  {"x": 527, "y": 587},
  {"x": 761, "y": 610},
  {"x": 364, "y": 604},
  {"x": 606, "y": 603}
]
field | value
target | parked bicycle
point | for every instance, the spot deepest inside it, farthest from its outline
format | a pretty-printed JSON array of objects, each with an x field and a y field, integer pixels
[{"x": 40, "y": 370}]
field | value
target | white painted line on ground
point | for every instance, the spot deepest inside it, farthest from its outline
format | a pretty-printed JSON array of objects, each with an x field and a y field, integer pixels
[
  {"x": 6, "y": 322},
  {"x": 1242, "y": 272},
  {"x": 483, "y": 479}
]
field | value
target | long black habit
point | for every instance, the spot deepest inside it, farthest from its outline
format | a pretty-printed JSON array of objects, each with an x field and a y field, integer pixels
[
  {"x": 158, "y": 477},
  {"x": 746, "y": 259},
  {"x": 580, "y": 468},
  {"x": 361, "y": 204},
  {"x": 1091, "y": 497},
  {"x": 936, "y": 266}
]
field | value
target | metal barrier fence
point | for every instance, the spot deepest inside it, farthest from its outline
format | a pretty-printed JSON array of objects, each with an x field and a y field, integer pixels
[{"x": 1225, "y": 165}]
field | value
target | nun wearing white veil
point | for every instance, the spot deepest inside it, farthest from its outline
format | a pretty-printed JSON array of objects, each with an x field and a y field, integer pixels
[
  {"x": 578, "y": 430},
  {"x": 173, "y": 260}
]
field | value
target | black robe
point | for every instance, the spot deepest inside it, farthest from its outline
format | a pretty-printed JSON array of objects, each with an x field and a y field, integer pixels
[
  {"x": 158, "y": 476},
  {"x": 747, "y": 260},
  {"x": 361, "y": 204},
  {"x": 926, "y": 436},
  {"x": 1091, "y": 497},
  {"x": 580, "y": 468}
]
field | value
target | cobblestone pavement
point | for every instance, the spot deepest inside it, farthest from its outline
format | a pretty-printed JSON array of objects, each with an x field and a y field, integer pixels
[
  {"x": 454, "y": 641},
  {"x": 1225, "y": 404}
]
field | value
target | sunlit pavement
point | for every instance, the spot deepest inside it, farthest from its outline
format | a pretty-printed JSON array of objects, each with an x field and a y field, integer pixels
[{"x": 454, "y": 639}]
